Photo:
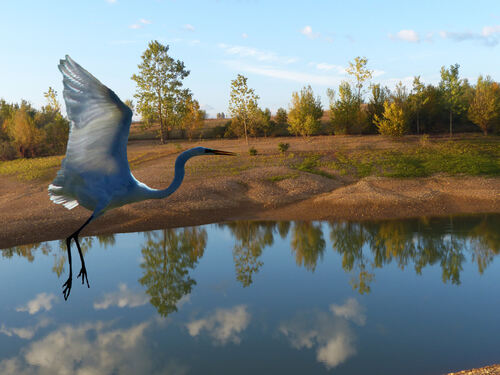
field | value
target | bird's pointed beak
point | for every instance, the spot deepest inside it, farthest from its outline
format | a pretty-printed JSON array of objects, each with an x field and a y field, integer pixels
[{"x": 219, "y": 152}]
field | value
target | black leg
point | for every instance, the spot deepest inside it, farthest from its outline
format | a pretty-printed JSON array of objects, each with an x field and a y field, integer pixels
[{"x": 83, "y": 270}]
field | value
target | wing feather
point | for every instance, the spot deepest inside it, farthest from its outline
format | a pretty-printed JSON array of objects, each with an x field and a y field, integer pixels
[{"x": 99, "y": 129}]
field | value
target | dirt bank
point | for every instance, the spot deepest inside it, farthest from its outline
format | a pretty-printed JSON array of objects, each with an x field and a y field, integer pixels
[{"x": 222, "y": 188}]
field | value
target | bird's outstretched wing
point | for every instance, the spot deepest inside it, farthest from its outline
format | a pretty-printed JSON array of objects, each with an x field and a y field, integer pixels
[{"x": 100, "y": 124}]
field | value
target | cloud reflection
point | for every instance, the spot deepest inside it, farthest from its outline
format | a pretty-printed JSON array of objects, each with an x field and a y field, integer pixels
[
  {"x": 123, "y": 297},
  {"x": 90, "y": 348},
  {"x": 42, "y": 301},
  {"x": 224, "y": 325},
  {"x": 329, "y": 333}
]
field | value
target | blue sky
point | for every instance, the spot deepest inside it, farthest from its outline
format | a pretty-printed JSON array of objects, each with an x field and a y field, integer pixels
[{"x": 279, "y": 45}]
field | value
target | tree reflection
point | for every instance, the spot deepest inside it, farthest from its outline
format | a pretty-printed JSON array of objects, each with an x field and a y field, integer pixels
[
  {"x": 251, "y": 239},
  {"x": 168, "y": 256},
  {"x": 307, "y": 244},
  {"x": 367, "y": 246}
]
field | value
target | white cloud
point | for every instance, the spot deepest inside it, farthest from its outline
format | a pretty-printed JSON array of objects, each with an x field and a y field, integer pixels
[
  {"x": 406, "y": 35},
  {"x": 489, "y": 35},
  {"x": 42, "y": 301},
  {"x": 244, "y": 35},
  {"x": 288, "y": 75},
  {"x": 26, "y": 333},
  {"x": 123, "y": 297},
  {"x": 188, "y": 27},
  {"x": 329, "y": 67},
  {"x": 259, "y": 55},
  {"x": 140, "y": 24},
  {"x": 350, "y": 310},
  {"x": 91, "y": 348},
  {"x": 307, "y": 31},
  {"x": 111, "y": 1},
  {"x": 224, "y": 325},
  {"x": 329, "y": 334},
  {"x": 490, "y": 30}
]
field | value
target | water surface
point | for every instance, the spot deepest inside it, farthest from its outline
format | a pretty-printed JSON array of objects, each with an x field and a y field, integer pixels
[{"x": 391, "y": 297}]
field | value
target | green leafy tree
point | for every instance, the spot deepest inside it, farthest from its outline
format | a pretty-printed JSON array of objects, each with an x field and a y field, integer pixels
[
  {"x": 379, "y": 95},
  {"x": 242, "y": 105},
  {"x": 51, "y": 96},
  {"x": 160, "y": 96},
  {"x": 305, "y": 113},
  {"x": 483, "y": 108},
  {"x": 418, "y": 99},
  {"x": 452, "y": 90},
  {"x": 168, "y": 257},
  {"x": 361, "y": 73},
  {"x": 346, "y": 115},
  {"x": 281, "y": 116},
  {"x": 194, "y": 117},
  {"x": 393, "y": 121},
  {"x": 55, "y": 126}
]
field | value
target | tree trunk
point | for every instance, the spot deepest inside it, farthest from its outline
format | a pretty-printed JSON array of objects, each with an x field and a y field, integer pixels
[
  {"x": 451, "y": 128},
  {"x": 418, "y": 122},
  {"x": 246, "y": 133}
]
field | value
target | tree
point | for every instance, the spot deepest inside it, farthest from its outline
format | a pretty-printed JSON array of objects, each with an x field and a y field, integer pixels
[
  {"x": 345, "y": 112},
  {"x": 452, "y": 90},
  {"x": 25, "y": 135},
  {"x": 194, "y": 117},
  {"x": 51, "y": 96},
  {"x": 242, "y": 102},
  {"x": 484, "y": 106},
  {"x": 305, "y": 113},
  {"x": 418, "y": 99},
  {"x": 361, "y": 74},
  {"x": 393, "y": 120},
  {"x": 159, "y": 93},
  {"x": 376, "y": 104},
  {"x": 221, "y": 115},
  {"x": 281, "y": 116}
]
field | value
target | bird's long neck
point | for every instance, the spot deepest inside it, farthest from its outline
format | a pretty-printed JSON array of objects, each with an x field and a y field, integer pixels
[{"x": 178, "y": 177}]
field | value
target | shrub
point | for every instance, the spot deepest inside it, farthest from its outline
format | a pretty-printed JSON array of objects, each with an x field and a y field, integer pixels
[
  {"x": 393, "y": 120},
  {"x": 7, "y": 151},
  {"x": 283, "y": 147},
  {"x": 252, "y": 151}
]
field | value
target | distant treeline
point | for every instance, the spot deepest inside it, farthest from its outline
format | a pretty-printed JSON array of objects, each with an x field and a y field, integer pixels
[
  {"x": 357, "y": 106},
  {"x": 28, "y": 132}
]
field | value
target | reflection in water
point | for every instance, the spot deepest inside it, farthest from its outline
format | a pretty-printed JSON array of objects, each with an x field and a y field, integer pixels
[
  {"x": 277, "y": 316},
  {"x": 224, "y": 325},
  {"x": 329, "y": 332},
  {"x": 168, "y": 256}
]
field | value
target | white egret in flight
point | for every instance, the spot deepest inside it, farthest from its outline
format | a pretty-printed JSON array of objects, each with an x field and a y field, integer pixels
[{"x": 95, "y": 172}]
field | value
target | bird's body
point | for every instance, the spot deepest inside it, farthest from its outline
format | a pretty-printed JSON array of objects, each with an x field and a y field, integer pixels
[{"x": 95, "y": 172}]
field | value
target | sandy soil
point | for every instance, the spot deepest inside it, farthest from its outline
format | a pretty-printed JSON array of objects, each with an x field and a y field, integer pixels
[
  {"x": 27, "y": 215},
  {"x": 488, "y": 370}
]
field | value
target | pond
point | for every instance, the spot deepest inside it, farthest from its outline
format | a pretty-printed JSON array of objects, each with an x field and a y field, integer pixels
[{"x": 391, "y": 297}]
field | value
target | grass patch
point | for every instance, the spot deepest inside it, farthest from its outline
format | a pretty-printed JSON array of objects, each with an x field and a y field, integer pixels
[
  {"x": 310, "y": 164},
  {"x": 474, "y": 158},
  {"x": 282, "y": 177},
  {"x": 31, "y": 169}
]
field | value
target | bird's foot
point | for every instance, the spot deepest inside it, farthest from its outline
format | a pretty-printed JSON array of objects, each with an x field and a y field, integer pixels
[
  {"x": 83, "y": 274},
  {"x": 67, "y": 288}
]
